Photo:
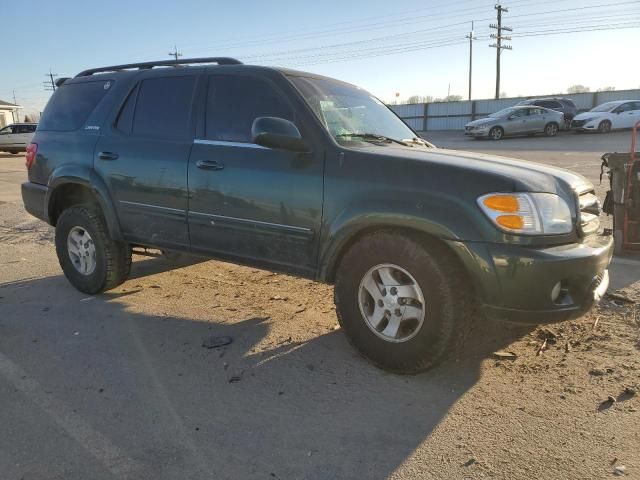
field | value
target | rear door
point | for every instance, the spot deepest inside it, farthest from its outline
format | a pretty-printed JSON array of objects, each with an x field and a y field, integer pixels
[
  {"x": 143, "y": 158},
  {"x": 535, "y": 120},
  {"x": 247, "y": 202}
]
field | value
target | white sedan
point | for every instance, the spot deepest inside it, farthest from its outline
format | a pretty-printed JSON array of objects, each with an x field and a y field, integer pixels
[{"x": 608, "y": 116}]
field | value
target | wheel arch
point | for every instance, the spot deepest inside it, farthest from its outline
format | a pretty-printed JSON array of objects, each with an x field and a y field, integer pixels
[
  {"x": 351, "y": 234},
  {"x": 69, "y": 188}
]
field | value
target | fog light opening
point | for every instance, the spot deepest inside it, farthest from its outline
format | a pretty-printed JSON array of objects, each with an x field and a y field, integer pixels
[{"x": 560, "y": 293}]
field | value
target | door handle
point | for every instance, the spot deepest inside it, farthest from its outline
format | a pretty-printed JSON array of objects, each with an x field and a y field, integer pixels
[
  {"x": 209, "y": 165},
  {"x": 107, "y": 156}
]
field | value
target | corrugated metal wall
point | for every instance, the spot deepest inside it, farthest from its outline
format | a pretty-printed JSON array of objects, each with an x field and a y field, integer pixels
[{"x": 454, "y": 115}]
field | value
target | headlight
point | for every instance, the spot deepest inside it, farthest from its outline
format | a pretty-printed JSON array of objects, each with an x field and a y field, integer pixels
[
  {"x": 588, "y": 119},
  {"x": 527, "y": 213}
]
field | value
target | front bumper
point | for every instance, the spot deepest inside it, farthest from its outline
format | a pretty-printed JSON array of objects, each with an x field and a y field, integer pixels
[
  {"x": 477, "y": 132},
  {"x": 33, "y": 197},
  {"x": 515, "y": 283}
]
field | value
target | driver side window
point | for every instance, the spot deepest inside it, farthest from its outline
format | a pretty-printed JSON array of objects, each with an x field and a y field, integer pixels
[
  {"x": 234, "y": 102},
  {"x": 7, "y": 130}
]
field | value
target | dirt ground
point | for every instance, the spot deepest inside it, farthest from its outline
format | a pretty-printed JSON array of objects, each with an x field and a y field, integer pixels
[{"x": 120, "y": 386}]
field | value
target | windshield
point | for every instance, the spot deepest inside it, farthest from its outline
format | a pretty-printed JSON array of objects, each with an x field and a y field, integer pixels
[
  {"x": 346, "y": 110},
  {"x": 503, "y": 113},
  {"x": 605, "y": 107}
]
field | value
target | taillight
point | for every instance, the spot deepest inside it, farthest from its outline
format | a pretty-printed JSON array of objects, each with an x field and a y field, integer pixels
[{"x": 32, "y": 149}]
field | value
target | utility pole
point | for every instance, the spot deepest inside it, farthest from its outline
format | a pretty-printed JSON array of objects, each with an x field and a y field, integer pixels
[
  {"x": 14, "y": 98},
  {"x": 498, "y": 45},
  {"x": 471, "y": 39},
  {"x": 175, "y": 53},
  {"x": 51, "y": 83}
]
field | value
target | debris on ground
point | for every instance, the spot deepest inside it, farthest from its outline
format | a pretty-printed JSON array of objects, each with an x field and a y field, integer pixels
[
  {"x": 542, "y": 348},
  {"x": 620, "y": 470},
  {"x": 216, "y": 341},
  {"x": 235, "y": 378},
  {"x": 278, "y": 297},
  {"x": 619, "y": 298},
  {"x": 505, "y": 355},
  {"x": 606, "y": 404}
]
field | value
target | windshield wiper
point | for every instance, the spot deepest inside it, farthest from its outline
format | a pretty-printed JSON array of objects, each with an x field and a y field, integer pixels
[
  {"x": 373, "y": 136},
  {"x": 417, "y": 140}
]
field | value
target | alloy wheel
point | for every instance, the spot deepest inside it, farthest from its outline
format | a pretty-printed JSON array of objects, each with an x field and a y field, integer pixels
[{"x": 391, "y": 302}]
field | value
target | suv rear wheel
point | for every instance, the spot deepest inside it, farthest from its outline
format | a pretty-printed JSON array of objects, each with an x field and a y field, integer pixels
[
  {"x": 91, "y": 260},
  {"x": 405, "y": 304}
]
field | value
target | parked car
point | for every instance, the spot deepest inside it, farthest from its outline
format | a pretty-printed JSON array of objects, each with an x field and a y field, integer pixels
[
  {"x": 14, "y": 138},
  {"x": 307, "y": 175},
  {"x": 559, "y": 104},
  {"x": 608, "y": 116},
  {"x": 519, "y": 120}
]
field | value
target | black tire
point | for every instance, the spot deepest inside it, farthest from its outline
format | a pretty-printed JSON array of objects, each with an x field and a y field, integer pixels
[
  {"x": 551, "y": 129},
  {"x": 113, "y": 258},
  {"x": 448, "y": 300},
  {"x": 496, "y": 133},
  {"x": 604, "y": 126}
]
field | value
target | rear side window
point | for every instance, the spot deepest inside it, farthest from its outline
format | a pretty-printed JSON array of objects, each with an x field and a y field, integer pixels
[
  {"x": 71, "y": 105},
  {"x": 125, "y": 117},
  {"x": 25, "y": 128},
  {"x": 163, "y": 107},
  {"x": 234, "y": 102}
]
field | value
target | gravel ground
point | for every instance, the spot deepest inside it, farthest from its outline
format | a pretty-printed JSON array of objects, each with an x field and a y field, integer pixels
[{"x": 119, "y": 385}]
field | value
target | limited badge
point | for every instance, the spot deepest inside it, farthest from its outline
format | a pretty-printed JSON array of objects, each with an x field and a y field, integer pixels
[{"x": 107, "y": 85}]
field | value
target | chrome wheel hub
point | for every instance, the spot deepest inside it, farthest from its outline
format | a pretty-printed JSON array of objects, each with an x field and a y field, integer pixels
[
  {"x": 82, "y": 250},
  {"x": 391, "y": 303}
]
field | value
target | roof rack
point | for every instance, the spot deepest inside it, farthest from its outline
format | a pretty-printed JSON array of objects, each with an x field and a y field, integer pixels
[{"x": 161, "y": 63}]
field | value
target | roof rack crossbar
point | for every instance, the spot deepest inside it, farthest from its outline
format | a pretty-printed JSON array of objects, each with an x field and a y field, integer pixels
[{"x": 161, "y": 63}]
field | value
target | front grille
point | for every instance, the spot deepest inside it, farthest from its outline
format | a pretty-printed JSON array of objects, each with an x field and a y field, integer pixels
[
  {"x": 577, "y": 123},
  {"x": 589, "y": 213}
]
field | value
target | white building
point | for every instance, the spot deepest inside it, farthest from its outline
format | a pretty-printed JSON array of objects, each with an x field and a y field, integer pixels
[{"x": 8, "y": 113}]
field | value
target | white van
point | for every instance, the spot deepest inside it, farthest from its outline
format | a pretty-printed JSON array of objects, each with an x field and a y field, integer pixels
[{"x": 14, "y": 138}]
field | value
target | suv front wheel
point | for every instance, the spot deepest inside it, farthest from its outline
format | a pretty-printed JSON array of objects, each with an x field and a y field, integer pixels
[
  {"x": 91, "y": 260},
  {"x": 402, "y": 301}
]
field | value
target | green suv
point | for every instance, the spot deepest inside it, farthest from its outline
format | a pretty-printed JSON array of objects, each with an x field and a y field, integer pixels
[{"x": 302, "y": 174}]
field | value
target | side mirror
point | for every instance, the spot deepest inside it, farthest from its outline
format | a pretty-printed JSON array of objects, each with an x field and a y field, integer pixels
[{"x": 274, "y": 132}]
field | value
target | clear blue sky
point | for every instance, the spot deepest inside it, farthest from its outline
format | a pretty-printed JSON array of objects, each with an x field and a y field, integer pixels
[{"x": 383, "y": 46}]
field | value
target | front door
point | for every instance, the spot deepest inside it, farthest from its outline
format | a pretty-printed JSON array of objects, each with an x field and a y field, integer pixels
[
  {"x": 8, "y": 136},
  {"x": 247, "y": 202},
  {"x": 626, "y": 115},
  {"x": 143, "y": 160},
  {"x": 517, "y": 122}
]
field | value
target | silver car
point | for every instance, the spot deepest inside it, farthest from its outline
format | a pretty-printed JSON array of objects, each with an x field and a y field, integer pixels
[
  {"x": 519, "y": 120},
  {"x": 14, "y": 138}
]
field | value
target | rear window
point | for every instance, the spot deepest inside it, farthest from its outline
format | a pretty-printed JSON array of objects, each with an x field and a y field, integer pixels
[{"x": 71, "y": 105}]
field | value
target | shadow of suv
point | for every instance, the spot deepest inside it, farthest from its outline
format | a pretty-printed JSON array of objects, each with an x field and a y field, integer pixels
[{"x": 307, "y": 175}]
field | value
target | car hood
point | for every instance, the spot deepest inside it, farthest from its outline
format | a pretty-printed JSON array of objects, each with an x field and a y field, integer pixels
[
  {"x": 519, "y": 175},
  {"x": 481, "y": 121}
]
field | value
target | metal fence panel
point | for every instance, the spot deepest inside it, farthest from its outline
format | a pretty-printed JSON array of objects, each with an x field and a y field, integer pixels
[
  {"x": 409, "y": 110},
  {"x": 454, "y": 115},
  {"x": 619, "y": 95},
  {"x": 449, "y": 108},
  {"x": 447, "y": 123}
]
